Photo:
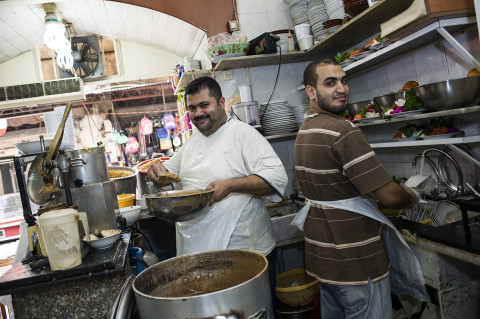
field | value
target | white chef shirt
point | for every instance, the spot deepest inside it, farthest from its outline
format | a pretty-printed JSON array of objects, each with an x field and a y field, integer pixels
[{"x": 239, "y": 220}]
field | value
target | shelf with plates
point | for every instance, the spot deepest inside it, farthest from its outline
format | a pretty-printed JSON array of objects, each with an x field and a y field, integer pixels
[
  {"x": 188, "y": 77},
  {"x": 440, "y": 141},
  {"x": 460, "y": 111},
  {"x": 424, "y": 36},
  {"x": 358, "y": 29}
]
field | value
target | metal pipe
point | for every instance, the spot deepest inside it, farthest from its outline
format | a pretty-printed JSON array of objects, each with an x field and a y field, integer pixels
[
  {"x": 454, "y": 162},
  {"x": 430, "y": 162}
]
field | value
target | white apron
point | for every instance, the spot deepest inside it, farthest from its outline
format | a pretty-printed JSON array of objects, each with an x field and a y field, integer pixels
[{"x": 406, "y": 275}]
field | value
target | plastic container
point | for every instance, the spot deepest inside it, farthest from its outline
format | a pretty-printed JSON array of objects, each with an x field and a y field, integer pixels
[
  {"x": 62, "y": 239},
  {"x": 125, "y": 200},
  {"x": 295, "y": 287},
  {"x": 305, "y": 43},
  {"x": 290, "y": 44},
  {"x": 302, "y": 30}
]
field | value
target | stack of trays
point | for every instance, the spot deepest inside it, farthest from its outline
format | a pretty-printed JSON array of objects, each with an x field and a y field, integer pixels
[
  {"x": 335, "y": 9},
  {"x": 298, "y": 11},
  {"x": 317, "y": 14},
  {"x": 299, "y": 111},
  {"x": 278, "y": 118}
]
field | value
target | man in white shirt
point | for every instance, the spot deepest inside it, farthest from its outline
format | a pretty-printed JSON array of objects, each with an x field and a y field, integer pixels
[{"x": 239, "y": 164}]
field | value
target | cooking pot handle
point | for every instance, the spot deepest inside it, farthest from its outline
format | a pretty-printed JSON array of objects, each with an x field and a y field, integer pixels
[
  {"x": 123, "y": 305},
  {"x": 77, "y": 162}
]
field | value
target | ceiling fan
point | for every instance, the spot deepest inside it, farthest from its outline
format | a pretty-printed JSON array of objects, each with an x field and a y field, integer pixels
[{"x": 87, "y": 58}]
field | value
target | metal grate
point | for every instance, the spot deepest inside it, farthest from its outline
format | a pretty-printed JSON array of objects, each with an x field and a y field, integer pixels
[{"x": 32, "y": 90}]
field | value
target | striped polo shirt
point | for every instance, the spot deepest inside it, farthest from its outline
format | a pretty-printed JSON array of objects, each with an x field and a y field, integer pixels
[{"x": 334, "y": 161}]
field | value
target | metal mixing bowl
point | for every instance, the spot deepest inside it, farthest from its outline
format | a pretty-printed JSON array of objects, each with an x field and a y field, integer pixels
[
  {"x": 354, "y": 108},
  {"x": 451, "y": 94},
  {"x": 179, "y": 205},
  {"x": 127, "y": 184},
  {"x": 386, "y": 101}
]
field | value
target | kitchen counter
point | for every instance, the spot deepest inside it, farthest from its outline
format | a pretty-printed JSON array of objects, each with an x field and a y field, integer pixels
[{"x": 86, "y": 291}]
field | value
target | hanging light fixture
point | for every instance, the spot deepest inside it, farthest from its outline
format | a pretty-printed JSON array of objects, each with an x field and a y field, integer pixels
[{"x": 55, "y": 36}]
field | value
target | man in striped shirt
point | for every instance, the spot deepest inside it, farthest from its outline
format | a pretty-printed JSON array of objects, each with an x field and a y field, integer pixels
[{"x": 344, "y": 250}]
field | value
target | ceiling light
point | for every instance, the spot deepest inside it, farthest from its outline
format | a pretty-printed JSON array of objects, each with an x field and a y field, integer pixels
[{"x": 55, "y": 36}]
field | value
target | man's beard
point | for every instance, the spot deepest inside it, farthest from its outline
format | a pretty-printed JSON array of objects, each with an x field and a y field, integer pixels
[
  {"x": 324, "y": 104},
  {"x": 206, "y": 125}
]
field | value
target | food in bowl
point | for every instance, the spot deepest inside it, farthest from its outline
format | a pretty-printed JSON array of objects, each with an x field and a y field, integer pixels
[
  {"x": 227, "y": 50},
  {"x": 408, "y": 131},
  {"x": 370, "y": 111},
  {"x": 145, "y": 166},
  {"x": 116, "y": 173},
  {"x": 410, "y": 103},
  {"x": 110, "y": 236},
  {"x": 439, "y": 126}
]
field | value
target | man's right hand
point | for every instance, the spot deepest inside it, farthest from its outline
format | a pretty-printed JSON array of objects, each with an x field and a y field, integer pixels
[{"x": 154, "y": 171}]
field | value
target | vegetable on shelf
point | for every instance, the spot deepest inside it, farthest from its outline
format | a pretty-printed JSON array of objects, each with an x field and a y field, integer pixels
[
  {"x": 371, "y": 110},
  {"x": 406, "y": 131},
  {"x": 438, "y": 127}
]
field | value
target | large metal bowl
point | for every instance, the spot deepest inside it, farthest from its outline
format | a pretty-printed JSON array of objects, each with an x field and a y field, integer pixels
[
  {"x": 355, "y": 107},
  {"x": 386, "y": 101},
  {"x": 179, "y": 205},
  {"x": 127, "y": 184},
  {"x": 451, "y": 94}
]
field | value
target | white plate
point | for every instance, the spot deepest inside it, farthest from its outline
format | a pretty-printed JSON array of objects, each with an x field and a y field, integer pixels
[
  {"x": 439, "y": 136},
  {"x": 405, "y": 139},
  {"x": 228, "y": 55},
  {"x": 407, "y": 113},
  {"x": 360, "y": 55},
  {"x": 368, "y": 119}
]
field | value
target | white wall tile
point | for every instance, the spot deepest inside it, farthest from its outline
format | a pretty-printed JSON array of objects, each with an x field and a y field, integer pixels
[
  {"x": 276, "y": 5},
  {"x": 251, "y": 6},
  {"x": 279, "y": 20},
  {"x": 431, "y": 65},
  {"x": 458, "y": 67},
  {"x": 253, "y": 24}
]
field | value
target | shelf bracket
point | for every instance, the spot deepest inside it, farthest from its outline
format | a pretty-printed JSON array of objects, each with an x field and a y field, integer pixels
[{"x": 466, "y": 55}]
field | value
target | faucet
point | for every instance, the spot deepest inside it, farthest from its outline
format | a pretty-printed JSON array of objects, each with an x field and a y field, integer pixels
[
  {"x": 457, "y": 168},
  {"x": 441, "y": 186}
]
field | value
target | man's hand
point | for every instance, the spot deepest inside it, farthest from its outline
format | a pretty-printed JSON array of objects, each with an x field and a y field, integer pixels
[
  {"x": 414, "y": 196},
  {"x": 154, "y": 171},
  {"x": 221, "y": 189}
]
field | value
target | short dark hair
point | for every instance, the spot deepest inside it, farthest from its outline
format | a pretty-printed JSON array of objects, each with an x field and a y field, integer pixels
[
  {"x": 205, "y": 83},
  {"x": 310, "y": 76}
]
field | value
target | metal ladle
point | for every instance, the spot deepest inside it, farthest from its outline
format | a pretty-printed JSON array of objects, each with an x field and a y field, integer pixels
[{"x": 40, "y": 181}]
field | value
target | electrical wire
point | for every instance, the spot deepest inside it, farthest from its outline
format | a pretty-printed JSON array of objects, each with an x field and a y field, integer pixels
[{"x": 274, "y": 85}]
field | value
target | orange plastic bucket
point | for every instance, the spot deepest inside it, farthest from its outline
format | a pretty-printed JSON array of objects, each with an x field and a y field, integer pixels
[{"x": 125, "y": 200}]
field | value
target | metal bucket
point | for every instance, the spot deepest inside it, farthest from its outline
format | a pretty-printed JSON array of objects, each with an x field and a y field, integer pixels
[
  {"x": 87, "y": 166},
  {"x": 229, "y": 283}
]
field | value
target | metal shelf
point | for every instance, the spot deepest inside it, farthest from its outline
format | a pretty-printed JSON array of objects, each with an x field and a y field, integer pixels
[
  {"x": 188, "y": 77},
  {"x": 464, "y": 110},
  {"x": 365, "y": 25},
  {"x": 413, "y": 41},
  {"x": 443, "y": 141}
]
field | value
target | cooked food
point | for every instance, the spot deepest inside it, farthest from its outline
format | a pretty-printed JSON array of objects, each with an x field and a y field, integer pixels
[
  {"x": 169, "y": 178},
  {"x": 145, "y": 166},
  {"x": 409, "y": 85},
  {"x": 473, "y": 72},
  {"x": 116, "y": 173}
]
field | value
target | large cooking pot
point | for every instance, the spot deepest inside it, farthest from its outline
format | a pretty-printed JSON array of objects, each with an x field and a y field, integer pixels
[
  {"x": 87, "y": 166},
  {"x": 144, "y": 185},
  {"x": 229, "y": 283}
]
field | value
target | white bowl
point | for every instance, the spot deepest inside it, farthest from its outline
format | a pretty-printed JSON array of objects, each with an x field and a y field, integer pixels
[
  {"x": 106, "y": 242},
  {"x": 32, "y": 147},
  {"x": 302, "y": 30},
  {"x": 305, "y": 43},
  {"x": 130, "y": 213}
]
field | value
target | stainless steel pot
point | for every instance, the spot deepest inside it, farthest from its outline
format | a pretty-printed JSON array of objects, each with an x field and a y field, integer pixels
[
  {"x": 87, "y": 166},
  {"x": 127, "y": 184},
  {"x": 229, "y": 283}
]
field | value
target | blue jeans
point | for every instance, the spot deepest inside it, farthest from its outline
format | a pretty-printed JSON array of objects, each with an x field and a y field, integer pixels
[{"x": 372, "y": 301}]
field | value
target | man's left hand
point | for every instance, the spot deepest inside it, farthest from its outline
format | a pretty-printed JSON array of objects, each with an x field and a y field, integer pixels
[{"x": 221, "y": 189}]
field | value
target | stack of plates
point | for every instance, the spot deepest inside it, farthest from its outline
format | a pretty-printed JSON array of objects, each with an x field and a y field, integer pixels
[
  {"x": 299, "y": 111},
  {"x": 278, "y": 118},
  {"x": 334, "y": 9},
  {"x": 331, "y": 25},
  {"x": 317, "y": 14},
  {"x": 355, "y": 7},
  {"x": 298, "y": 11}
]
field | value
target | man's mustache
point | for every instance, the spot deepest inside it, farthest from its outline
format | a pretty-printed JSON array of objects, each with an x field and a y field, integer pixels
[
  {"x": 339, "y": 95},
  {"x": 196, "y": 118}
]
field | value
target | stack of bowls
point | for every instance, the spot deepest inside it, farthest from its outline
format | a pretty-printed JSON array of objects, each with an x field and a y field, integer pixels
[
  {"x": 335, "y": 9},
  {"x": 355, "y": 7},
  {"x": 298, "y": 11},
  {"x": 317, "y": 14},
  {"x": 304, "y": 37},
  {"x": 354, "y": 108},
  {"x": 277, "y": 118},
  {"x": 331, "y": 25}
]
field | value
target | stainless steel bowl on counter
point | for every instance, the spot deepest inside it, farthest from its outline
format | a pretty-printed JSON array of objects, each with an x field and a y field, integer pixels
[
  {"x": 355, "y": 107},
  {"x": 126, "y": 184},
  {"x": 451, "y": 94},
  {"x": 178, "y": 205},
  {"x": 386, "y": 101}
]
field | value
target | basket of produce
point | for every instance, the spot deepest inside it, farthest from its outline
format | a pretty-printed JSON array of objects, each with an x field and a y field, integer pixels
[{"x": 295, "y": 287}]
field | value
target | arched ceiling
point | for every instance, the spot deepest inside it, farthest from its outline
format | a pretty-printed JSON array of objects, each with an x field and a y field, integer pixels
[{"x": 22, "y": 23}]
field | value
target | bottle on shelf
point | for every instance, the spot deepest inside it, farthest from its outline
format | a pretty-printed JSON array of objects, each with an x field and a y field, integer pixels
[{"x": 290, "y": 44}]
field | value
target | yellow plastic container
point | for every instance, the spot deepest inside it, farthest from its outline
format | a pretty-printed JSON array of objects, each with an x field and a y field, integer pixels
[
  {"x": 125, "y": 200},
  {"x": 296, "y": 288}
]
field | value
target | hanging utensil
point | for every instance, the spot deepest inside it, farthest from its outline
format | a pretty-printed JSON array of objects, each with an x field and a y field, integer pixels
[{"x": 40, "y": 180}]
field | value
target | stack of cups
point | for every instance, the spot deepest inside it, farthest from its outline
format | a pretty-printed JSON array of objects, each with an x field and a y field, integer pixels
[
  {"x": 304, "y": 37},
  {"x": 245, "y": 93}
]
